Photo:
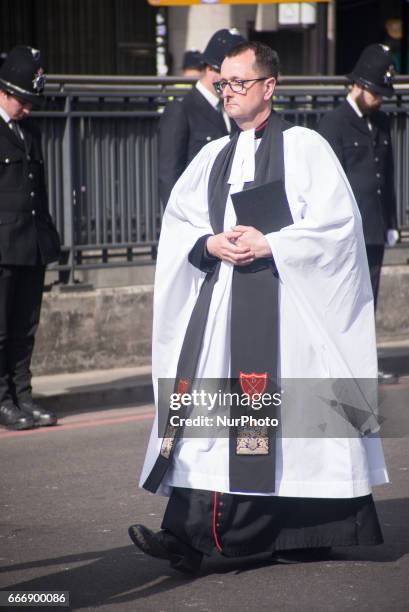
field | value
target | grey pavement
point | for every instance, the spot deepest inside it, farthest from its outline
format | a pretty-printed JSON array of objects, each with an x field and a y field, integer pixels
[{"x": 69, "y": 493}]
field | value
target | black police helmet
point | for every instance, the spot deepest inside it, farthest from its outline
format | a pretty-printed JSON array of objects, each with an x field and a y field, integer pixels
[
  {"x": 221, "y": 43},
  {"x": 22, "y": 75},
  {"x": 192, "y": 59},
  {"x": 374, "y": 70}
]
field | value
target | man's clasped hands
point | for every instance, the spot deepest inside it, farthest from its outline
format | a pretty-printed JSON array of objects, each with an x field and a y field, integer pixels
[{"x": 240, "y": 246}]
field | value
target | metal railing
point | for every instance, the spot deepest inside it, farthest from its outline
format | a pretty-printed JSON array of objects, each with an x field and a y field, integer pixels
[{"x": 100, "y": 147}]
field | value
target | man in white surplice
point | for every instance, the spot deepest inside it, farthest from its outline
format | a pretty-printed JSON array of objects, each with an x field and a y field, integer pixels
[{"x": 323, "y": 486}]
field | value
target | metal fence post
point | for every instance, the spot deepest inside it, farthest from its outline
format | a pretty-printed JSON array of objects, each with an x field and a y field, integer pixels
[{"x": 68, "y": 193}]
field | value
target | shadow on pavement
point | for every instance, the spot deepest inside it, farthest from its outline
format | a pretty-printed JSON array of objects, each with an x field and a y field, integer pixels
[
  {"x": 101, "y": 577},
  {"x": 124, "y": 574},
  {"x": 126, "y": 391},
  {"x": 394, "y": 359}
]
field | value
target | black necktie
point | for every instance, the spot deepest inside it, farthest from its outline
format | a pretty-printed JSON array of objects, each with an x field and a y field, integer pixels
[
  {"x": 367, "y": 122},
  {"x": 15, "y": 129}
]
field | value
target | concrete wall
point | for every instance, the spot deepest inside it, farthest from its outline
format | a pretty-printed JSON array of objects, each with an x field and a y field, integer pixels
[
  {"x": 109, "y": 328},
  {"x": 100, "y": 329},
  {"x": 392, "y": 321}
]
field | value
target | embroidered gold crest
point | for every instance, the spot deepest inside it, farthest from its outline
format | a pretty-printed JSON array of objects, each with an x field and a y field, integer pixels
[{"x": 252, "y": 441}]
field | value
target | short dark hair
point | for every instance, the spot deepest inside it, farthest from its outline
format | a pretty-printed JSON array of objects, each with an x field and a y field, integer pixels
[{"x": 267, "y": 60}]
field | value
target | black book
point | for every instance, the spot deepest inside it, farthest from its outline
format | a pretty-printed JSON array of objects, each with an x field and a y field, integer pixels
[{"x": 265, "y": 207}]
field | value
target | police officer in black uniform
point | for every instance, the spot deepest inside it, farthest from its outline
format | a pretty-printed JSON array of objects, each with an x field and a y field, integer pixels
[
  {"x": 190, "y": 122},
  {"x": 28, "y": 238},
  {"x": 359, "y": 133}
]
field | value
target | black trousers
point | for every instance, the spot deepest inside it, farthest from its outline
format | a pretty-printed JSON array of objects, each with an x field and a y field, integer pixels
[
  {"x": 21, "y": 289},
  {"x": 375, "y": 254}
]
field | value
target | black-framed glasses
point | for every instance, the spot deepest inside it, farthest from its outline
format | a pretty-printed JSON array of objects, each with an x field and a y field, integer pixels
[{"x": 236, "y": 85}]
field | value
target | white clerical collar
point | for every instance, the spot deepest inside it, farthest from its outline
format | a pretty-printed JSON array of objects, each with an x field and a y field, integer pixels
[
  {"x": 354, "y": 105},
  {"x": 210, "y": 97},
  {"x": 243, "y": 166},
  {"x": 4, "y": 115}
]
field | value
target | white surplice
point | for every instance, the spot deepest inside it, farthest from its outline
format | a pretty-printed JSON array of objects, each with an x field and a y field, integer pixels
[{"x": 326, "y": 325}]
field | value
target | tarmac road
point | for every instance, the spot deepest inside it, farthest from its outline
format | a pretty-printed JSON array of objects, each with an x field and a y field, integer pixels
[{"x": 69, "y": 493}]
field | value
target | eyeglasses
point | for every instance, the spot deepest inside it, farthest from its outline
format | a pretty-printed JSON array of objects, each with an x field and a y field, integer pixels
[{"x": 236, "y": 85}]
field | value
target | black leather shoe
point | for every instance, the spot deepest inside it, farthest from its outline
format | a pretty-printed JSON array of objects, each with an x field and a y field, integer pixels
[
  {"x": 149, "y": 542},
  {"x": 164, "y": 545},
  {"x": 15, "y": 419},
  {"x": 42, "y": 418},
  {"x": 387, "y": 378}
]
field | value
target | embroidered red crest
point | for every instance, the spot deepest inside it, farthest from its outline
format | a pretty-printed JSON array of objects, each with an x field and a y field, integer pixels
[
  {"x": 183, "y": 386},
  {"x": 253, "y": 383}
]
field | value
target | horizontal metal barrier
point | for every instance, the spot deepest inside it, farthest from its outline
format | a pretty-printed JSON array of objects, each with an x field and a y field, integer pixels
[{"x": 100, "y": 147}]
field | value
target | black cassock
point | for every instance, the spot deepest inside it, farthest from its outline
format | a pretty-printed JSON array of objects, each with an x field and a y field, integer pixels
[{"x": 239, "y": 525}]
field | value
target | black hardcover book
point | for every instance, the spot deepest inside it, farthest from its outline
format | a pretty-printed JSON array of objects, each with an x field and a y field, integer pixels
[{"x": 265, "y": 208}]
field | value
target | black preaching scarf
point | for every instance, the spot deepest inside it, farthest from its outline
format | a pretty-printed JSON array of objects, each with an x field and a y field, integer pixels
[{"x": 254, "y": 316}]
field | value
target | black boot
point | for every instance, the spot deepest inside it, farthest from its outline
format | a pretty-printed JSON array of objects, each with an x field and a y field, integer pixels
[
  {"x": 41, "y": 417},
  {"x": 387, "y": 378},
  {"x": 15, "y": 419}
]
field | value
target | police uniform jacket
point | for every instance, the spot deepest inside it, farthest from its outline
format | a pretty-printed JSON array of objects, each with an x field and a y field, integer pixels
[
  {"x": 366, "y": 156},
  {"x": 186, "y": 125},
  {"x": 27, "y": 233}
]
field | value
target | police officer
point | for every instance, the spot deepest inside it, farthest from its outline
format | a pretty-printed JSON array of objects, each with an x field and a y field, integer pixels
[
  {"x": 28, "y": 238},
  {"x": 190, "y": 122},
  {"x": 359, "y": 133},
  {"x": 192, "y": 65}
]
